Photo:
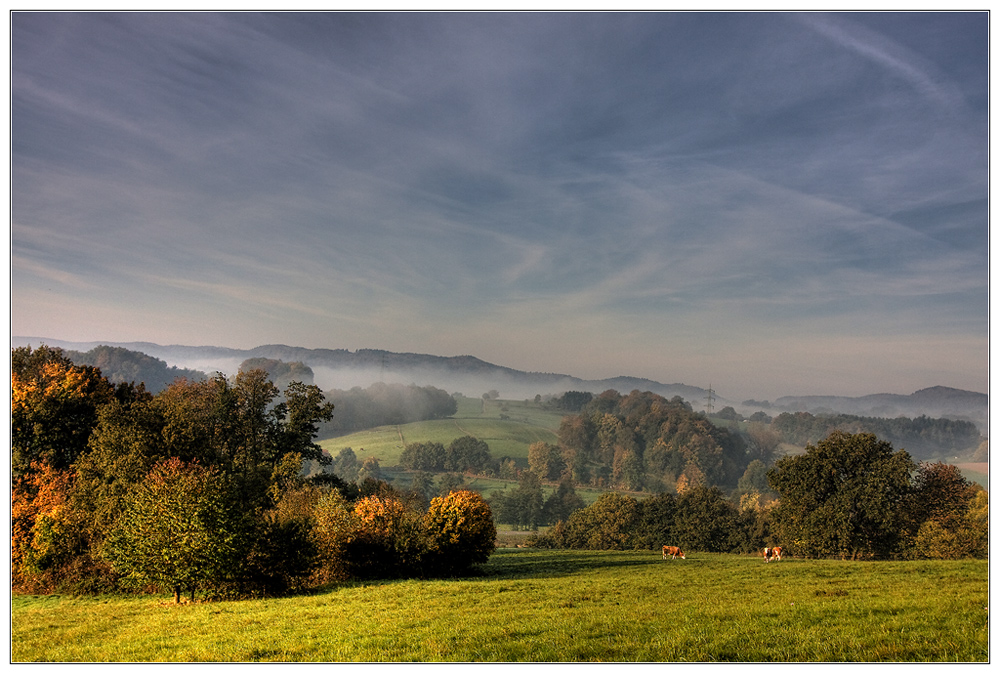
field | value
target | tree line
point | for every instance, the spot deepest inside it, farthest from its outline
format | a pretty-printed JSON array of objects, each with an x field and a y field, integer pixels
[
  {"x": 201, "y": 488},
  {"x": 922, "y": 436},
  {"x": 642, "y": 441},
  {"x": 850, "y": 496},
  {"x": 384, "y": 404}
]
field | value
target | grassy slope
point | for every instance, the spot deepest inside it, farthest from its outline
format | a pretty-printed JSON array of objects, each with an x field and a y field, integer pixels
[
  {"x": 537, "y": 605},
  {"x": 528, "y": 423}
]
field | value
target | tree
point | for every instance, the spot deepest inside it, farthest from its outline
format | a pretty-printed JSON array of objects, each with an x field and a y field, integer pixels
[
  {"x": 346, "y": 465},
  {"x": 609, "y": 523},
  {"x": 126, "y": 443},
  {"x": 522, "y": 508},
  {"x": 459, "y": 533},
  {"x": 545, "y": 461},
  {"x": 754, "y": 478},
  {"x": 763, "y": 441},
  {"x": 176, "y": 530},
  {"x": 563, "y": 503},
  {"x": 467, "y": 454},
  {"x": 704, "y": 520},
  {"x": 941, "y": 493},
  {"x": 846, "y": 496},
  {"x": 387, "y": 540},
  {"x": 656, "y": 521},
  {"x": 943, "y": 513},
  {"x": 41, "y": 523},
  {"x": 427, "y": 456},
  {"x": 298, "y": 418},
  {"x": 54, "y": 407},
  {"x": 370, "y": 469}
]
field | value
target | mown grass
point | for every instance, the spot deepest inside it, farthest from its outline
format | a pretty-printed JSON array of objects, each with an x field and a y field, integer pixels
[
  {"x": 552, "y": 606},
  {"x": 524, "y": 424}
]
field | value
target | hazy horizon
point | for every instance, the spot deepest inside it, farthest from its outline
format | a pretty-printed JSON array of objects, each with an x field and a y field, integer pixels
[{"x": 768, "y": 203}]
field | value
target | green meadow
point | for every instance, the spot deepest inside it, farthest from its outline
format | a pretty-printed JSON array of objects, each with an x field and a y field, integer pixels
[
  {"x": 529, "y": 605},
  {"x": 508, "y": 427}
]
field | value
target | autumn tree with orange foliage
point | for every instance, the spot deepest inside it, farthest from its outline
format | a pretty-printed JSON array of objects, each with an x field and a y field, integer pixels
[
  {"x": 44, "y": 529},
  {"x": 54, "y": 407}
]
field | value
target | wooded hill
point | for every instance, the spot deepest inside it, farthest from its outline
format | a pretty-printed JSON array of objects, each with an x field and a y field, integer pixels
[{"x": 344, "y": 369}]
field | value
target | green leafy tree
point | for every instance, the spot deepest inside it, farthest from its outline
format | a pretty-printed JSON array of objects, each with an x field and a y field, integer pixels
[
  {"x": 943, "y": 512},
  {"x": 346, "y": 465},
  {"x": 704, "y": 520},
  {"x": 176, "y": 530},
  {"x": 126, "y": 443},
  {"x": 563, "y": 503},
  {"x": 754, "y": 478},
  {"x": 467, "y": 454},
  {"x": 298, "y": 418},
  {"x": 609, "y": 523},
  {"x": 656, "y": 522},
  {"x": 422, "y": 486},
  {"x": 545, "y": 461},
  {"x": 845, "y": 497},
  {"x": 427, "y": 456},
  {"x": 522, "y": 507}
]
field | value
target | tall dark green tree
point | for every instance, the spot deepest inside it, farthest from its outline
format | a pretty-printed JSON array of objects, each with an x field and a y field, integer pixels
[
  {"x": 467, "y": 455},
  {"x": 522, "y": 507},
  {"x": 563, "y": 503},
  {"x": 846, "y": 496},
  {"x": 704, "y": 520}
]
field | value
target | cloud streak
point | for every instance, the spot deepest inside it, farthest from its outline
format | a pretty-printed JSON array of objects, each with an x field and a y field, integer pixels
[{"x": 598, "y": 194}]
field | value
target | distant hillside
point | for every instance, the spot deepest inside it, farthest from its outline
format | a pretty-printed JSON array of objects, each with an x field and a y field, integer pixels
[
  {"x": 343, "y": 369},
  {"x": 936, "y": 402},
  {"x": 121, "y": 365}
]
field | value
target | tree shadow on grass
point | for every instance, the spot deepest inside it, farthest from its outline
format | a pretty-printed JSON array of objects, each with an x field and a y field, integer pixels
[{"x": 507, "y": 564}]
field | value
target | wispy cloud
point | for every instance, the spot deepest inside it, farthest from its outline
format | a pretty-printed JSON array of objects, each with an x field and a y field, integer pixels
[{"x": 585, "y": 188}]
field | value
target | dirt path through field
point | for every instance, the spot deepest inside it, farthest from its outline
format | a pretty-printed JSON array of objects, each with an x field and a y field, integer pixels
[{"x": 459, "y": 427}]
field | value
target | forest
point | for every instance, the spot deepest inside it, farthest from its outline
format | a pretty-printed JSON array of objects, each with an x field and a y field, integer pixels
[
  {"x": 200, "y": 488},
  {"x": 203, "y": 487}
]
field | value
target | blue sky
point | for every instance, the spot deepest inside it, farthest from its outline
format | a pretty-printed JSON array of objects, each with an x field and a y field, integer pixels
[{"x": 772, "y": 204}]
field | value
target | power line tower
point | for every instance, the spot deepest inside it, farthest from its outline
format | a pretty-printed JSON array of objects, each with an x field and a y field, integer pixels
[{"x": 710, "y": 400}]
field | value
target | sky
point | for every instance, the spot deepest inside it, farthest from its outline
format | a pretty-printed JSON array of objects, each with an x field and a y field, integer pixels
[{"x": 768, "y": 203}]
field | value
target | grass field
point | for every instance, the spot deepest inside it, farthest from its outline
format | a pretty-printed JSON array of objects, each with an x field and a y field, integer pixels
[
  {"x": 523, "y": 424},
  {"x": 552, "y": 606}
]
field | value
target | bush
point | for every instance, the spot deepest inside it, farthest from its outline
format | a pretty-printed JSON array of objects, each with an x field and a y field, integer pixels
[{"x": 459, "y": 533}]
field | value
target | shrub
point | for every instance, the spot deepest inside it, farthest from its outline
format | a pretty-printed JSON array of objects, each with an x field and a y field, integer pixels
[
  {"x": 459, "y": 532},
  {"x": 385, "y": 542}
]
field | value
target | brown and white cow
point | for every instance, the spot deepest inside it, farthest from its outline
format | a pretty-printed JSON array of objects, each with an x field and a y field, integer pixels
[
  {"x": 673, "y": 551},
  {"x": 776, "y": 553}
]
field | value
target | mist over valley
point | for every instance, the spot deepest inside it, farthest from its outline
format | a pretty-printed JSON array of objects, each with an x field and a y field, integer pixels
[{"x": 342, "y": 369}]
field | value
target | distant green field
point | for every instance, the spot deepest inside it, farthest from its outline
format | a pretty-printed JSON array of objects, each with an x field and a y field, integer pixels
[
  {"x": 523, "y": 424},
  {"x": 530, "y": 605}
]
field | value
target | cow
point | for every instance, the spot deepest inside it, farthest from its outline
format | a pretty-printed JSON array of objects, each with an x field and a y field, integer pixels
[
  {"x": 673, "y": 551},
  {"x": 767, "y": 555},
  {"x": 776, "y": 553}
]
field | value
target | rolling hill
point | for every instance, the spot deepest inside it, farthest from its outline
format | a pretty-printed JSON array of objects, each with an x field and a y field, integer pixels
[{"x": 471, "y": 376}]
